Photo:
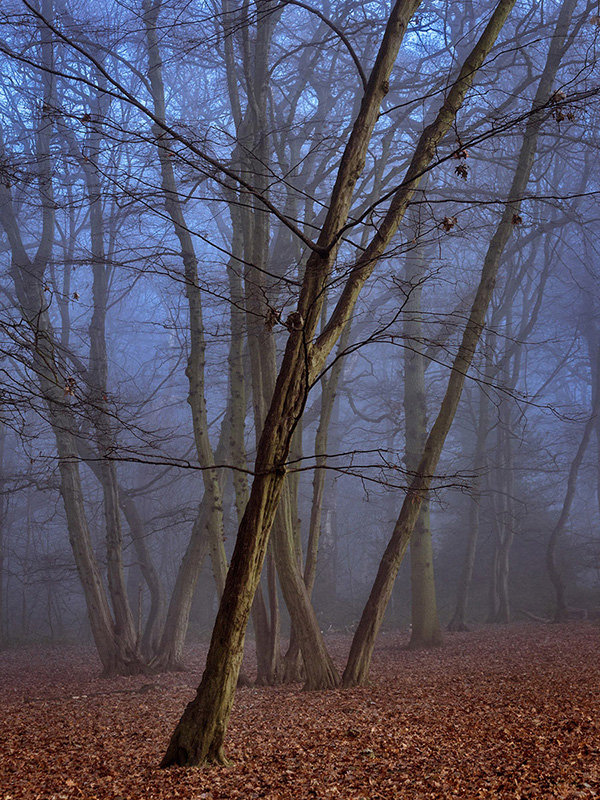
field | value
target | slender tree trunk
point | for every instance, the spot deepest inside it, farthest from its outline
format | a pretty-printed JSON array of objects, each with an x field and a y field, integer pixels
[
  {"x": 459, "y": 618},
  {"x": 264, "y": 372},
  {"x": 156, "y": 615},
  {"x": 3, "y": 507},
  {"x": 359, "y": 660},
  {"x": 329, "y": 388},
  {"x": 112, "y": 642},
  {"x": 554, "y": 572},
  {"x": 320, "y": 671},
  {"x": 170, "y": 650},
  {"x": 507, "y": 518},
  {"x": 426, "y": 631},
  {"x": 97, "y": 380},
  {"x": 155, "y": 619},
  {"x": 209, "y": 522},
  {"x": 199, "y": 736}
]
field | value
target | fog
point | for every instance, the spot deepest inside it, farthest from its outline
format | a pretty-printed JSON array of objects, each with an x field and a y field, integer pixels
[{"x": 174, "y": 229}]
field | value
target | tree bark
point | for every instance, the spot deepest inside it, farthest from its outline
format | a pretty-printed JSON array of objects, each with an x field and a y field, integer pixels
[
  {"x": 459, "y": 618},
  {"x": 357, "y": 668},
  {"x": 209, "y": 522},
  {"x": 3, "y": 507},
  {"x": 561, "y": 608},
  {"x": 198, "y": 737},
  {"x": 426, "y": 631}
]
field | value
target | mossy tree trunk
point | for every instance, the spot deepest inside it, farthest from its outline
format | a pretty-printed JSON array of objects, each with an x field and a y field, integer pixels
[{"x": 198, "y": 738}]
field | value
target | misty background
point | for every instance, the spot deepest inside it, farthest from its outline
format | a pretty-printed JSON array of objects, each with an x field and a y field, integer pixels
[{"x": 147, "y": 296}]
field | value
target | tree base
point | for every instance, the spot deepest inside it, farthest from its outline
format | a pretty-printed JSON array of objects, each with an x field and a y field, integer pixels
[
  {"x": 167, "y": 664},
  {"x": 457, "y": 626},
  {"x": 126, "y": 667},
  {"x": 429, "y": 642},
  {"x": 244, "y": 681}
]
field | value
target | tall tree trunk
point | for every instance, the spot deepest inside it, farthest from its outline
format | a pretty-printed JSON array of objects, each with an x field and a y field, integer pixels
[
  {"x": 97, "y": 381},
  {"x": 3, "y": 507},
  {"x": 260, "y": 302},
  {"x": 426, "y": 631},
  {"x": 112, "y": 641},
  {"x": 357, "y": 668},
  {"x": 329, "y": 388},
  {"x": 507, "y": 516},
  {"x": 198, "y": 737},
  {"x": 554, "y": 571},
  {"x": 459, "y": 618},
  {"x": 209, "y": 522}
]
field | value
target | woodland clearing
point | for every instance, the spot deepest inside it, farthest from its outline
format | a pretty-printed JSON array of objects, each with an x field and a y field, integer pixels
[{"x": 501, "y": 711}]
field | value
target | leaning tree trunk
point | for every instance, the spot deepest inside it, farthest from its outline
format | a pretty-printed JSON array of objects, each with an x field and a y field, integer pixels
[
  {"x": 319, "y": 668},
  {"x": 306, "y": 630},
  {"x": 198, "y": 738},
  {"x": 357, "y": 668}
]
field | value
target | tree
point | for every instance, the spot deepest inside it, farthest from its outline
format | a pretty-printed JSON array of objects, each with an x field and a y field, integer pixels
[
  {"x": 362, "y": 645},
  {"x": 199, "y": 734}
]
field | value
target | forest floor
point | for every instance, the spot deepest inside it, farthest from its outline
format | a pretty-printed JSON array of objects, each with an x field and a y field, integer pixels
[{"x": 500, "y": 712}]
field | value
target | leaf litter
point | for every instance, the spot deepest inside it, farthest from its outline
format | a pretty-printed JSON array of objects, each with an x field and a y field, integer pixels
[{"x": 499, "y": 712}]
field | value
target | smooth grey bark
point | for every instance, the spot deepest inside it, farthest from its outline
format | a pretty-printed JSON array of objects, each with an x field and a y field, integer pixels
[
  {"x": 425, "y": 631},
  {"x": 459, "y": 617}
]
